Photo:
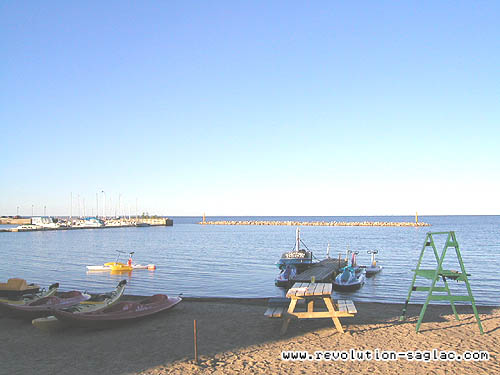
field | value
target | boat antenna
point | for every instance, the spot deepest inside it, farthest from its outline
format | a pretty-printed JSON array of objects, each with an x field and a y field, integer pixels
[
  {"x": 328, "y": 251},
  {"x": 297, "y": 239}
]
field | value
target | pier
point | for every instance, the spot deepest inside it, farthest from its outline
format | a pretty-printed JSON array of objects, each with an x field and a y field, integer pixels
[
  {"x": 320, "y": 223},
  {"x": 322, "y": 272}
]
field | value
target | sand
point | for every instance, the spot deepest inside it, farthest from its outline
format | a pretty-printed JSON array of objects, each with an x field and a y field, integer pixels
[{"x": 234, "y": 337}]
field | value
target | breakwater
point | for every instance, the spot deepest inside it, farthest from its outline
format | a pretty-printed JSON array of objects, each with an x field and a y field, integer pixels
[{"x": 319, "y": 223}]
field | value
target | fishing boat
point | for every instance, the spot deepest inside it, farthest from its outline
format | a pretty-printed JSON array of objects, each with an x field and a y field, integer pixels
[
  {"x": 348, "y": 280},
  {"x": 121, "y": 312},
  {"x": 27, "y": 298},
  {"x": 44, "y": 306},
  {"x": 293, "y": 262},
  {"x": 16, "y": 288},
  {"x": 373, "y": 269},
  {"x": 121, "y": 267},
  {"x": 96, "y": 303}
]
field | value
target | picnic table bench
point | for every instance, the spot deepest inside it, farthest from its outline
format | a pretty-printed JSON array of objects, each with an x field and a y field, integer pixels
[{"x": 307, "y": 294}]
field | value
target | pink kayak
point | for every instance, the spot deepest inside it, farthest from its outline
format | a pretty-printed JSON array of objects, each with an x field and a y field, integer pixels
[
  {"x": 121, "y": 312},
  {"x": 44, "y": 306}
]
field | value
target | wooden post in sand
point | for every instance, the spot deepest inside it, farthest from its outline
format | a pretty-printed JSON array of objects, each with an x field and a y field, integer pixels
[{"x": 195, "y": 342}]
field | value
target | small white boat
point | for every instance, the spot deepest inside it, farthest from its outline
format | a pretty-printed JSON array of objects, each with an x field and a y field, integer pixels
[
  {"x": 92, "y": 222},
  {"x": 373, "y": 268}
]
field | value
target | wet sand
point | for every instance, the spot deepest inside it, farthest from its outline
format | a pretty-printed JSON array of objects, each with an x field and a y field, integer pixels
[{"x": 234, "y": 337}]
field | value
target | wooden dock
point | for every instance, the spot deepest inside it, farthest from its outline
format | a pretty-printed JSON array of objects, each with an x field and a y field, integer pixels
[{"x": 323, "y": 272}]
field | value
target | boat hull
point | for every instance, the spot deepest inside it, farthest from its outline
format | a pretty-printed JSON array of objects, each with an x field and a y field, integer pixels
[
  {"x": 44, "y": 306},
  {"x": 121, "y": 313},
  {"x": 96, "y": 303},
  {"x": 372, "y": 271},
  {"x": 348, "y": 286}
]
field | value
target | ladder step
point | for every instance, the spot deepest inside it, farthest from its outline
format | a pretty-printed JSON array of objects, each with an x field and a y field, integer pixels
[
  {"x": 427, "y": 288},
  {"x": 451, "y": 298},
  {"x": 428, "y": 274}
]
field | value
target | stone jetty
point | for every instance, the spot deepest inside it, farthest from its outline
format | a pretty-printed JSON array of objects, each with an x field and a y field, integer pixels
[{"x": 319, "y": 223}]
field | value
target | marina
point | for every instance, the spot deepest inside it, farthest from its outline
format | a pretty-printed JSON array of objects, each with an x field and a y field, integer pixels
[{"x": 49, "y": 224}]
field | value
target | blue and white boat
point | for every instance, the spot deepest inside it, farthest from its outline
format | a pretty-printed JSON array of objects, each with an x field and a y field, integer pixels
[{"x": 349, "y": 279}]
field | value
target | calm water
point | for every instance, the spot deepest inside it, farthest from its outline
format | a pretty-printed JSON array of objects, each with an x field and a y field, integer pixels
[{"x": 239, "y": 261}]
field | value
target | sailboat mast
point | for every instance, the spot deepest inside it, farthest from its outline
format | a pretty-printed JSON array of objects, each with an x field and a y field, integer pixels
[{"x": 297, "y": 239}]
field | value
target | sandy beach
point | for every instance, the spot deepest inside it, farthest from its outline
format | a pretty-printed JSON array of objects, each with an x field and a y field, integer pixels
[{"x": 234, "y": 337}]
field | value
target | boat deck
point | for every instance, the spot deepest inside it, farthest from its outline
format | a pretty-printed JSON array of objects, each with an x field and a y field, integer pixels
[{"x": 323, "y": 271}]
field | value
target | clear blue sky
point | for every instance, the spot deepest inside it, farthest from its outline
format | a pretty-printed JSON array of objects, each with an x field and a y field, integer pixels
[{"x": 251, "y": 108}]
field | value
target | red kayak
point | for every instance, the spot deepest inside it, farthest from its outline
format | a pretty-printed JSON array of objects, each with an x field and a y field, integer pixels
[
  {"x": 44, "y": 306},
  {"x": 121, "y": 312}
]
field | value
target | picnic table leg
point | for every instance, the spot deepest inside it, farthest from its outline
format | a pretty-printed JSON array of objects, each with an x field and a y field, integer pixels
[
  {"x": 287, "y": 318},
  {"x": 331, "y": 309},
  {"x": 310, "y": 306}
]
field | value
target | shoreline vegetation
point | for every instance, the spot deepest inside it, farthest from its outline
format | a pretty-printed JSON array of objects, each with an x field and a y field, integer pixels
[{"x": 319, "y": 223}]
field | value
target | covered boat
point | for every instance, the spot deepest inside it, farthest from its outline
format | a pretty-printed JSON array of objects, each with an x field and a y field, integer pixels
[
  {"x": 293, "y": 262},
  {"x": 348, "y": 280},
  {"x": 27, "y": 298},
  {"x": 121, "y": 312},
  {"x": 96, "y": 303},
  {"x": 44, "y": 306},
  {"x": 16, "y": 288}
]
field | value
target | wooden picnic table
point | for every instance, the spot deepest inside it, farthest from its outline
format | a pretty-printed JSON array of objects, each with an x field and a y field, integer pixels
[{"x": 311, "y": 293}]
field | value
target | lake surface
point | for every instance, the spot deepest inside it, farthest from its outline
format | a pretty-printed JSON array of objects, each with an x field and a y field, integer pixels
[{"x": 240, "y": 261}]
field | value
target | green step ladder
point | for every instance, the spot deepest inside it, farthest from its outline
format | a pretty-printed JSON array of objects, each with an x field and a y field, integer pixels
[{"x": 438, "y": 273}]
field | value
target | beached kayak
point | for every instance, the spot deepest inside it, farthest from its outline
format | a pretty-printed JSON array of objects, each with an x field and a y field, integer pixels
[
  {"x": 44, "y": 306},
  {"x": 121, "y": 312},
  {"x": 96, "y": 303}
]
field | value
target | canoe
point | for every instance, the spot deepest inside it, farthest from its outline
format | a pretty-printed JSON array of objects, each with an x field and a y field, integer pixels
[
  {"x": 27, "y": 298},
  {"x": 96, "y": 303},
  {"x": 121, "y": 312},
  {"x": 117, "y": 266},
  {"x": 44, "y": 306},
  {"x": 16, "y": 288}
]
